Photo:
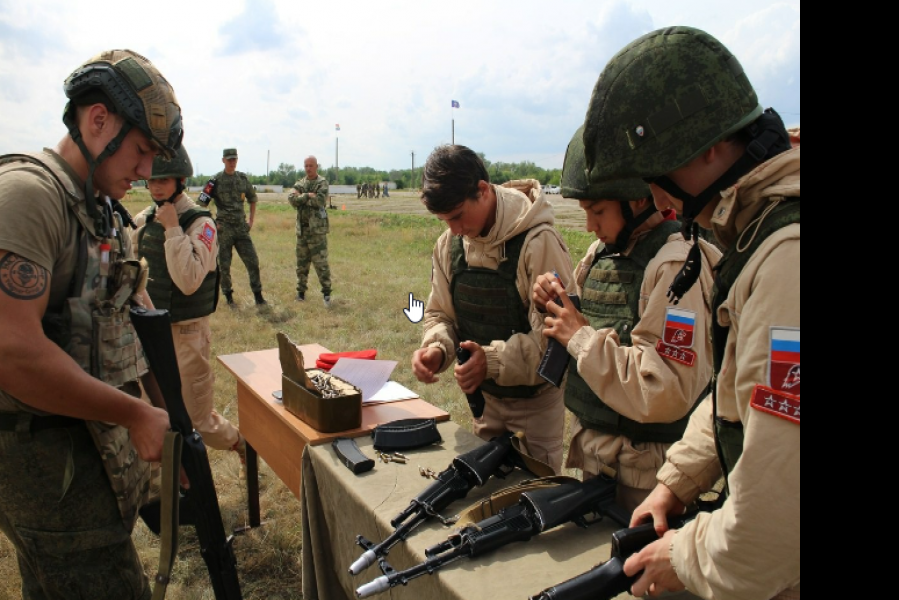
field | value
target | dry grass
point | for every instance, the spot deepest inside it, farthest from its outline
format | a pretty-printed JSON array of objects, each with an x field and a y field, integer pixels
[{"x": 380, "y": 251}]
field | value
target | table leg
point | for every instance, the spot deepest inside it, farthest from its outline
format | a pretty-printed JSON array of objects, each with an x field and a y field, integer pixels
[
  {"x": 253, "y": 486},
  {"x": 252, "y": 491}
]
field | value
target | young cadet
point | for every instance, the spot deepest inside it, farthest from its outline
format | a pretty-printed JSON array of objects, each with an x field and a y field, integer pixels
[
  {"x": 75, "y": 437},
  {"x": 178, "y": 239},
  {"x": 638, "y": 368},
  {"x": 500, "y": 239},
  {"x": 675, "y": 108}
]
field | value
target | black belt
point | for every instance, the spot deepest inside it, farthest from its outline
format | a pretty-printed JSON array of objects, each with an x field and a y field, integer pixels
[{"x": 9, "y": 422}]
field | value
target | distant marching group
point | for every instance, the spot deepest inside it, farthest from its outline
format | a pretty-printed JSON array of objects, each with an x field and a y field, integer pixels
[{"x": 371, "y": 190}]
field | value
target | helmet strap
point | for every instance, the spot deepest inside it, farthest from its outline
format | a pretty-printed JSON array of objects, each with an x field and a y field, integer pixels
[
  {"x": 768, "y": 138},
  {"x": 631, "y": 223},
  {"x": 111, "y": 148},
  {"x": 179, "y": 187},
  {"x": 689, "y": 273}
]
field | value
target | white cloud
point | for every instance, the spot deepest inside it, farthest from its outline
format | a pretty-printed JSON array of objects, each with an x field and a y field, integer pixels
[{"x": 275, "y": 76}]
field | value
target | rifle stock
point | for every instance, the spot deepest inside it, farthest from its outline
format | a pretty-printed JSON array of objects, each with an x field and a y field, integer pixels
[{"x": 154, "y": 328}]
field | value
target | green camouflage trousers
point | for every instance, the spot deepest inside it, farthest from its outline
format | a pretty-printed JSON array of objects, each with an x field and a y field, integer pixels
[
  {"x": 313, "y": 249},
  {"x": 70, "y": 543},
  {"x": 237, "y": 236}
]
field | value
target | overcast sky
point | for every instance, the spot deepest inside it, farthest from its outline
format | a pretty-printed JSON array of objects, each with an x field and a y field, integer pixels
[{"x": 274, "y": 77}]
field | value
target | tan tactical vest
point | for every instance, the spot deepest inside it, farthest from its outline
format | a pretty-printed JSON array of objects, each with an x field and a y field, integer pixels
[{"x": 94, "y": 328}]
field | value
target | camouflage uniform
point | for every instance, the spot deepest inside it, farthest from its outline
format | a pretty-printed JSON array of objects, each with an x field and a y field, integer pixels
[
  {"x": 72, "y": 509},
  {"x": 234, "y": 232},
  {"x": 71, "y": 487},
  {"x": 312, "y": 232}
]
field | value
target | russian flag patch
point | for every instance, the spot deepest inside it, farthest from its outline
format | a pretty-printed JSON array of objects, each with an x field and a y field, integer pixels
[
  {"x": 680, "y": 325},
  {"x": 678, "y": 336},
  {"x": 783, "y": 366}
]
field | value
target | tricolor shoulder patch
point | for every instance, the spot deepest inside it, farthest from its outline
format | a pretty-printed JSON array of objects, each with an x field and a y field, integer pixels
[
  {"x": 773, "y": 402},
  {"x": 207, "y": 235},
  {"x": 678, "y": 336},
  {"x": 783, "y": 365},
  {"x": 680, "y": 325}
]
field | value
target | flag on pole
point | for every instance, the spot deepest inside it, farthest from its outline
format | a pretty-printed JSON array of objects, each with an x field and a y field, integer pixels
[
  {"x": 455, "y": 104},
  {"x": 337, "y": 127}
]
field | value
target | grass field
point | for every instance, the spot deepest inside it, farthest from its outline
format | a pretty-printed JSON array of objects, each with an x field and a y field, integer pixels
[{"x": 380, "y": 251}]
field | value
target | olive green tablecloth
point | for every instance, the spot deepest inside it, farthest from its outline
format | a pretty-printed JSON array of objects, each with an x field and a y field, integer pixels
[{"x": 337, "y": 506}]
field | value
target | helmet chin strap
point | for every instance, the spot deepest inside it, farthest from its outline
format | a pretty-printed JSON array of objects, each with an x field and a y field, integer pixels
[
  {"x": 100, "y": 223},
  {"x": 768, "y": 138},
  {"x": 179, "y": 187},
  {"x": 631, "y": 223}
]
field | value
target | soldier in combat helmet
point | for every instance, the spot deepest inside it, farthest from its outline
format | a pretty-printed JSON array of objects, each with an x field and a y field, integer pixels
[
  {"x": 638, "y": 369},
  {"x": 75, "y": 437},
  {"x": 178, "y": 239},
  {"x": 676, "y": 109},
  {"x": 232, "y": 189}
]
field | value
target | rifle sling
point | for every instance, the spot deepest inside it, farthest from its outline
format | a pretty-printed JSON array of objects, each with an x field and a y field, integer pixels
[
  {"x": 534, "y": 465},
  {"x": 169, "y": 498},
  {"x": 493, "y": 504}
]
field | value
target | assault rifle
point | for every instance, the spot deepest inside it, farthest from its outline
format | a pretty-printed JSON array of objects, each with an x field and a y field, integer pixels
[
  {"x": 154, "y": 328},
  {"x": 474, "y": 468},
  {"x": 607, "y": 580},
  {"x": 538, "y": 510}
]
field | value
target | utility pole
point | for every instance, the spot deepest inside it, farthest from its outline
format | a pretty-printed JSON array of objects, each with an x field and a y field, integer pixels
[
  {"x": 268, "y": 170},
  {"x": 413, "y": 169}
]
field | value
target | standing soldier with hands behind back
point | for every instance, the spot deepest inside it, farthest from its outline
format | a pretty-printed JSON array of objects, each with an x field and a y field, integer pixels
[
  {"x": 676, "y": 109},
  {"x": 179, "y": 242},
  {"x": 231, "y": 189},
  {"x": 75, "y": 437},
  {"x": 310, "y": 197}
]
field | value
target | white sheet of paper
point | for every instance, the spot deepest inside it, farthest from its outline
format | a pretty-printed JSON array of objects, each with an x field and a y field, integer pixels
[
  {"x": 392, "y": 392},
  {"x": 367, "y": 375}
]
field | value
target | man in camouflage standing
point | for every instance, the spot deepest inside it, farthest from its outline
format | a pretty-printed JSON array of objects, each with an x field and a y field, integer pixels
[
  {"x": 232, "y": 188},
  {"x": 309, "y": 197}
]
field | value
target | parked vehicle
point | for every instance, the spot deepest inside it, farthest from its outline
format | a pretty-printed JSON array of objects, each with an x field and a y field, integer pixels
[{"x": 552, "y": 189}]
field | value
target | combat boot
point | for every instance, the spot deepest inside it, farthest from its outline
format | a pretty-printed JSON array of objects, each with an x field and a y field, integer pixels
[
  {"x": 328, "y": 301},
  {"x": 229, "y": 298},
  {"x": 301, "y": 296},
  {"x": 259, "y": 299}
]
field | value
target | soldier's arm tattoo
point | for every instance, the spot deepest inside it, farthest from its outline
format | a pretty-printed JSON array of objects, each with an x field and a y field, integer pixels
[{"x": 22, "y": 279}]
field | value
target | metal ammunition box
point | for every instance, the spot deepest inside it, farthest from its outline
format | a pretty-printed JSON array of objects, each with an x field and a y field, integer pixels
[{"x": 327, "y": 415}]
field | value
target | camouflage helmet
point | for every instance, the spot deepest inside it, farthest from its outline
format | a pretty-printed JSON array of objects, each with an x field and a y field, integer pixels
[
  {"x": 662, "y": 101},
  {"x": 575, "y": 184},
  {"x": 177, "y": 168},
  {"x": 138, "y": 91}
]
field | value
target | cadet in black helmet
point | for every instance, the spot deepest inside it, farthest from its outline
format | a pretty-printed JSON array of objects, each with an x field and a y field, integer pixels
[
  {"x": 75, "y": 438},
  {"x": 638, "y": 369},
  {"x": 179, "y": 241},
  {"x": 676, "y": 109}
]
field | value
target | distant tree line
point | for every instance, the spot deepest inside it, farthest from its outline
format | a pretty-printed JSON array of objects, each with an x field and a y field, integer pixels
[{"x": 287, "y": 174}]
